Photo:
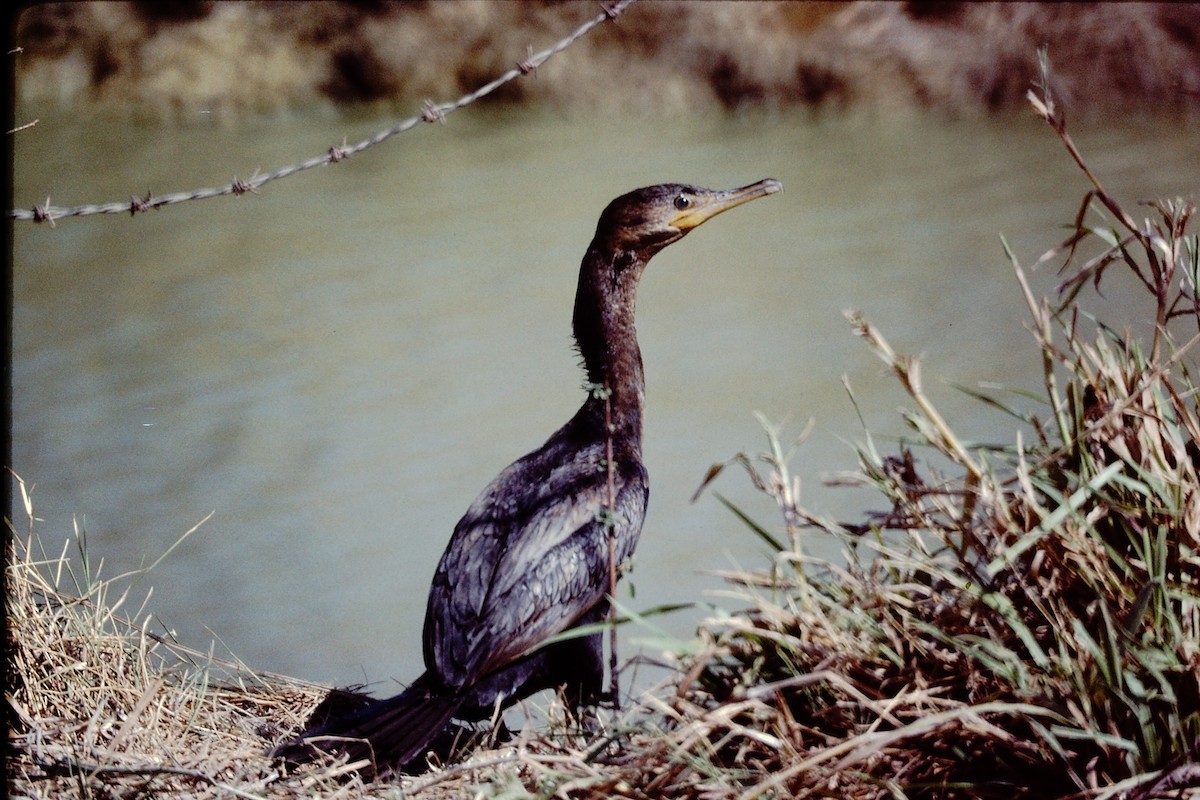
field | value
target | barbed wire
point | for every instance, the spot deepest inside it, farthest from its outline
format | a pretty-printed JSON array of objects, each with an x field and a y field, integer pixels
[{"x": 430, "y": 112}]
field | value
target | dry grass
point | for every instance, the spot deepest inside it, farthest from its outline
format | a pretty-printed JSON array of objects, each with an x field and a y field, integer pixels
[
  {"x": 100, "y": 706},
  {"x": 1018, "y": 621}
]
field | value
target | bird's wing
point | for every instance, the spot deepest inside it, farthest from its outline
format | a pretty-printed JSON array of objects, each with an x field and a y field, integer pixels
[{"x": 520, "y": 570}]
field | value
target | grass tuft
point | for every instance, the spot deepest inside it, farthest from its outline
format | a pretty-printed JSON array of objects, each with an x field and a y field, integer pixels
[{"x": 99, "y": 705}]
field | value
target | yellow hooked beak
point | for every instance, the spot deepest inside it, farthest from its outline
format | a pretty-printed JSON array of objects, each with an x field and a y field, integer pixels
[{"x": 697, "y": 208}]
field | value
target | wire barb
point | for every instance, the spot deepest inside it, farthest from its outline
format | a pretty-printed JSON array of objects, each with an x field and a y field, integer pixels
[
  {"x": 240, "y": 187},
  {"x": 432, "y": 112},
  {"x": 137, "y": 204},
  {"x": 43, "y": 213},
  {"x": 339, "y": 152},
  {"x": 527, "y": 65}
]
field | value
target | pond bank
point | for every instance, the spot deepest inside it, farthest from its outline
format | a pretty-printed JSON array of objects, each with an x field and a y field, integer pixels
[{"x": 176, "y": 60}]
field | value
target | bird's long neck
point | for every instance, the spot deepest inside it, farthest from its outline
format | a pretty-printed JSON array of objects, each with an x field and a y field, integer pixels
[{"x": 607, "y": 339}]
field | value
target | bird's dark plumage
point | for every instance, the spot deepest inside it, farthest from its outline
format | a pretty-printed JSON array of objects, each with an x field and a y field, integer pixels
[{"x": 529, "y": 559}]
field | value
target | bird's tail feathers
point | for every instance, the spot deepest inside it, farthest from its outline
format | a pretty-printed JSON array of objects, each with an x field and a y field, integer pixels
[{"x": 387, "y": 734}]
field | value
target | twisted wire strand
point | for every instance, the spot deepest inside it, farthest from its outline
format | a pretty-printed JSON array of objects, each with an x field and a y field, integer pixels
[{"x": 430, "y": 112}]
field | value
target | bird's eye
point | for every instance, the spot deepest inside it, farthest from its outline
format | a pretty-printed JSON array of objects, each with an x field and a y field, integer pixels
[{"x": 682, "y": 202}]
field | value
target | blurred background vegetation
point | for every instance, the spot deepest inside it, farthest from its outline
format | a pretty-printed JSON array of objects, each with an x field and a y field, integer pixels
[{"x": 173, "y": 59}]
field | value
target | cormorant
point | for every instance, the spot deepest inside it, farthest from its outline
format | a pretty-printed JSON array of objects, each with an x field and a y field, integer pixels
[{"x": 530, "y": 558}]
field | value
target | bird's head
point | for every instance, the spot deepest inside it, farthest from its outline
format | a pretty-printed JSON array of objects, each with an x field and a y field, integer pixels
[{"x": 647, "y": 220}]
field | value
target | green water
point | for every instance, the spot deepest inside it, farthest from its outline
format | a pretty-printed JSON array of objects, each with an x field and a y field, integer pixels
[{"x": 334, "y": 367}]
